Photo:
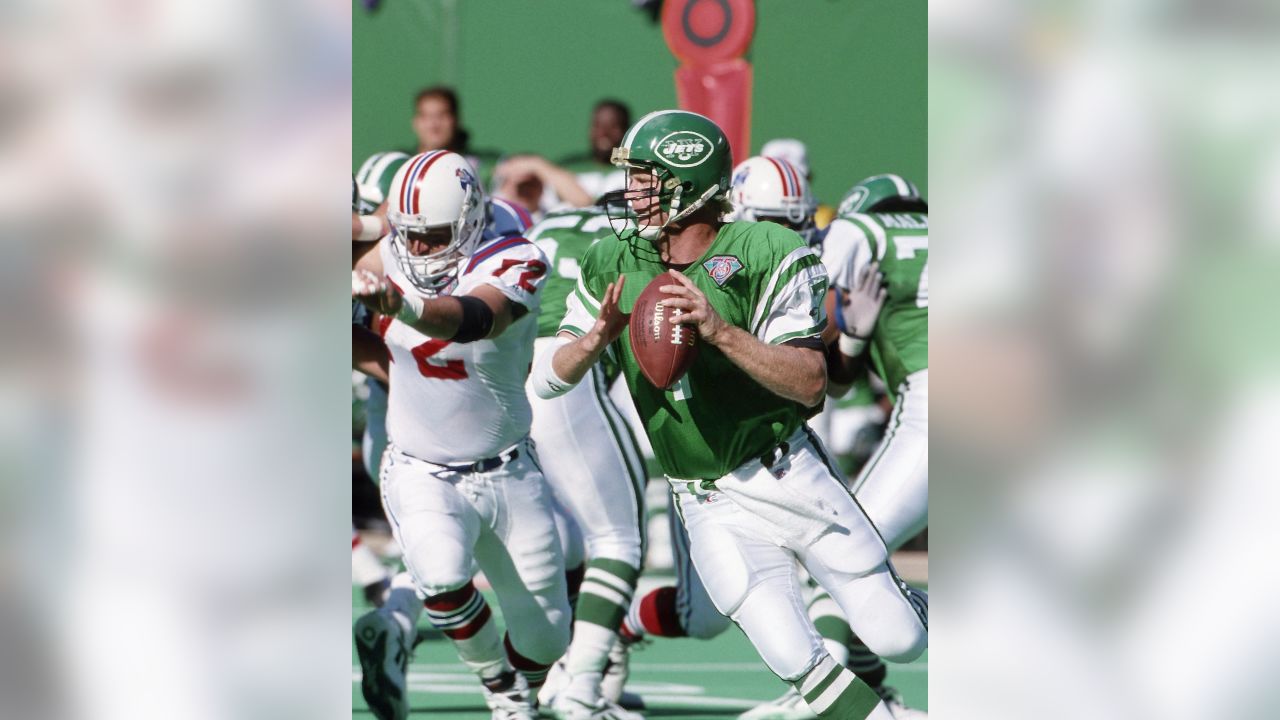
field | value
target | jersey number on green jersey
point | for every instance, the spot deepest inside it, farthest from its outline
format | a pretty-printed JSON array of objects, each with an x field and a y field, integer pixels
[{"x": 908, "y": 246}]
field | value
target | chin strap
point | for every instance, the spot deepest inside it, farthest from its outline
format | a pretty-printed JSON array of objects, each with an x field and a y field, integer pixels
[{"x": 702, "y": 200}]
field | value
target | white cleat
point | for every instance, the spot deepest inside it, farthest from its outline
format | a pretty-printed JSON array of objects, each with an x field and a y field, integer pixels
[
  {"x": 384, "y": 650},
  {"x": 790, "y": 706},
  {"x": 513, "y": 703},
  {"x": 616, "y": 673},
  {"x": 569, "y": 708},
  {"x": 557, "y": 680},
  {"x": 893, "y": 701}
]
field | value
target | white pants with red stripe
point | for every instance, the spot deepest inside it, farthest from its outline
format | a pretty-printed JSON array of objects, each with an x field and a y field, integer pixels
[{"x": 447, "y": 523}]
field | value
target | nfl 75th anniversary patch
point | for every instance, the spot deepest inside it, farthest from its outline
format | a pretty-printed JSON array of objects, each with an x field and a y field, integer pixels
[{"x": 722, "y": 267}]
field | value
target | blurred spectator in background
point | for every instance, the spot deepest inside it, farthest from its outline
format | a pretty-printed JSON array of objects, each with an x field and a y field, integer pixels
[
  {"x": 538, "y": 185},
  {"x": 795, "y": 152},
  {"x": 597, "y": 176},
  {"x": 437, "y": 123}
]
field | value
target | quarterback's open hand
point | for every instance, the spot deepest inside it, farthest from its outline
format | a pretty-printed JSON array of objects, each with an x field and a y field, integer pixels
[
  {"x": 375, "y": 293},
  {"x": 857, "y": 308},
  {"x": 695, "y": 308},
  {"x": 610, "y": 320}
]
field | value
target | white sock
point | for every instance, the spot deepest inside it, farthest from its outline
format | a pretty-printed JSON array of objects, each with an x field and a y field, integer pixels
[
  {"x": 589, "y": 652},
  {"x": 584, "y": 687},
  {"x": 403, "y": 602}
]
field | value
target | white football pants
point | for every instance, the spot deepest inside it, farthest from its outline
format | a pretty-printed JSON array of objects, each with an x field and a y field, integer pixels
[
  {"x": 893, "y": 487},
  {"x": 502, "y": 521},
  {"x": 750, "y": 576},
  {"x": 593, "y": 465}
]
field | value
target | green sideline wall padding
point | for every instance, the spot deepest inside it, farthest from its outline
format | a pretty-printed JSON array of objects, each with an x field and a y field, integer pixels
[{"x": 848, "y": 77}]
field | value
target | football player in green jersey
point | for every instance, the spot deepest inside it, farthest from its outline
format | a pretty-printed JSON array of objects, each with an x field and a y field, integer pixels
[
  {"x": 756, "y": 489},
  {"x": 877, "y": 252},
  {"x": 767, "y": 189},
  {"x": 596, "y": 471}
]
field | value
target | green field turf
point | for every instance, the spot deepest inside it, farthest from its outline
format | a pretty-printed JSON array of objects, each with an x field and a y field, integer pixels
[{"x": 680, "y": 679}]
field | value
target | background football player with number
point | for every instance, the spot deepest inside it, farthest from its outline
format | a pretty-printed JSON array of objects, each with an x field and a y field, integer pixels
[
  {"x": 460, "y": 481},
  {"x": 877, "y": 251},
  {"x": 756, "y": 491}
]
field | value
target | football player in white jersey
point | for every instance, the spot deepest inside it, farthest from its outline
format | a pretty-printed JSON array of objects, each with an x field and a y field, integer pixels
[{"x": 460, "y": 482}]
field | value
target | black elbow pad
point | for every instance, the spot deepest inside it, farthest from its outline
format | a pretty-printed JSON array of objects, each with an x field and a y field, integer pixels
[{"x": 477, "y": 320}]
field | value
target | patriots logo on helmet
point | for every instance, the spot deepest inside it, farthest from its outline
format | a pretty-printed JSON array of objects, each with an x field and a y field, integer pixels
[
  {"x": 741, "y": 177},
  {"x": 465, "y": 178},
  {"x": 722, "y": 267}
]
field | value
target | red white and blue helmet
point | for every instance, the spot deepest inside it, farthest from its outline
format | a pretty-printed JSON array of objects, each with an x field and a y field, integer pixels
[
  {"x": 767, "y": 188},
  {"x": 435, "y": 189}
]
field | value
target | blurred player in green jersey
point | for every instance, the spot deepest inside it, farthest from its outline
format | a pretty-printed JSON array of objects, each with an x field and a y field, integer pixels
[{"x": 596, "y": 471}]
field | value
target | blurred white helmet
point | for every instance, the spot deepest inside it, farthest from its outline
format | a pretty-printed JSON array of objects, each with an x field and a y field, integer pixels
[
  {"x": 435, "y": 189},
  {"x": 789, "y": 149},
  {"x": 766, "y": 188}
]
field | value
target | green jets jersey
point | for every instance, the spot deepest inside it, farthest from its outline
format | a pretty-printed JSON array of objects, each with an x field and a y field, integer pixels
[
  {"x": 900, "y": 242},
  {"x": 758, "y": 276},
  {"x": 565, "y": 237}
]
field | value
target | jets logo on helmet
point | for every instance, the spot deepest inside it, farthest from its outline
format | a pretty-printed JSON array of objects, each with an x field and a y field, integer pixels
[
  {"x": 432, "y": 190},
  {"x": 689, "y": 158},
  {"x": 684, "y": 148},
  {"x": 880, "y": 193}
]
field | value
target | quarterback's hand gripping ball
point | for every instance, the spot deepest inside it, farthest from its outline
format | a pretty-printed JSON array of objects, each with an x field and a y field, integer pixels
[{"x": 664, "y": 350}]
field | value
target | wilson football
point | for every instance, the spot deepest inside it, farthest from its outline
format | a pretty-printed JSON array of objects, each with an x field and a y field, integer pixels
[{"x": 664, "y": 351}]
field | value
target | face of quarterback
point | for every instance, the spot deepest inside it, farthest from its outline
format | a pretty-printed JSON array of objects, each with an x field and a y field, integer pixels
[
  {"x": 434, "y": 123},
  {"x": 607, "y": 130},
  {"x": 642, "y": 194},
  {"x": 431, "y": 240}
]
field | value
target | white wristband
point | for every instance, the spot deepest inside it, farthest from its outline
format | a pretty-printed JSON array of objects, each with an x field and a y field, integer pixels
[
  {"x": 543, "y": 379},
  {"x": 852, "y": 346},
  {"x": 370, "y": 228}
]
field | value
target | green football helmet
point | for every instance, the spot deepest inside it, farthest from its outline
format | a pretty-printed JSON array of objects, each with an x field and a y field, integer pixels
[
  {"x": 882, "y": 193},
  {"x": 374, "y": 178},
  {"x": 687, "y": 153}
]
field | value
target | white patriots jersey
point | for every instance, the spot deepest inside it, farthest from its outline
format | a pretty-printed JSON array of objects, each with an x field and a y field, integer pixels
[{"x": 456, "y": 403}]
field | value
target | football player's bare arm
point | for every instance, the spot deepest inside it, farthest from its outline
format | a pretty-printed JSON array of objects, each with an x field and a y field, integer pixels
[
  {"x": 520, "y": 167},
  {"x": 839, "y": 377},
  {"x": 483, "y": 313},
  {"x": 572, "y": 361},
  {"x": 368, "y": 228},
  {"x": 369, "y": 353},
  {"x": 795, "y": 373},
  {"x": 842, "y": 370},
  {"x": 365, "y": 256}
]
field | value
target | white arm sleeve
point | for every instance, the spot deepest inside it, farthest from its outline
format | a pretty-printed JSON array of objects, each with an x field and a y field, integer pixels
[{"x": 546, "y": 384}]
